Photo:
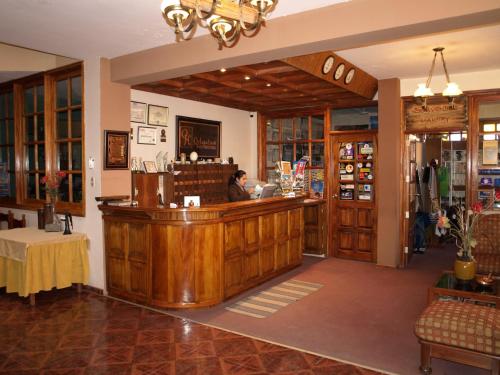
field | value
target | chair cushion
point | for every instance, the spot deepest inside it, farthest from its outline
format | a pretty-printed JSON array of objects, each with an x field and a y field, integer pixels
[
  {"x": 487, "y": 263},
  {"x": 464, "y": 325}
]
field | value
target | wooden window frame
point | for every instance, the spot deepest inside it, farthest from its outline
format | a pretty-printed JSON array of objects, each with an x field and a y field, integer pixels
[
  {"x": 263, "y": 168},
  {"x": 48, "y": 79},
  {"x": 5, "y": 90}
]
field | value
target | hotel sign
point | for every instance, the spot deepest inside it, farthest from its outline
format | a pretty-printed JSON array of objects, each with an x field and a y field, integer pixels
[
  {"x": 202, "y": 136},
  {"x": 436, "y": 115}
]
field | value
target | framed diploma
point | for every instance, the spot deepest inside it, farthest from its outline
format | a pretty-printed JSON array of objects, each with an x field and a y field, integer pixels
[
  {"x": 146, "y": 135},
  {"x": 138, "y": 112},
  {"x": 490, "y": 152},
  {"x": 116, "y": 149},
  {"x": 157, "y": 115},
  {"x": 150, "y": 167}
]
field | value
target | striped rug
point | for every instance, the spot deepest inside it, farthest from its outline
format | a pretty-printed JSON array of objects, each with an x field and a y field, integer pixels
[{"x": 267, "y": 302}]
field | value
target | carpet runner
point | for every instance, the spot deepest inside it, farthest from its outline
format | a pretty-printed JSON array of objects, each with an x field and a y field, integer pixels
[{"x": 267, "y": 302}]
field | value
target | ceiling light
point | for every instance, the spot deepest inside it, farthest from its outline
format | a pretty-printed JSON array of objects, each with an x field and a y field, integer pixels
[
  {"x": 423, "y": 90},
  {"x": 247, "y": 78},
  {"x": 223, "y": 70},
  {"x": 226, "y": 20},
  {"x": 268, "y": 85}
]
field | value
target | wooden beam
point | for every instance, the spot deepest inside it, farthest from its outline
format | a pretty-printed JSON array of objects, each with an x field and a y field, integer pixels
[
  {"x": 226, "y": 8},
  {"x": 362, "y": 83}
]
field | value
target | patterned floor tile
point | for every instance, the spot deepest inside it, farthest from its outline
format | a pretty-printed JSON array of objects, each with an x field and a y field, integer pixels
[
  {"x": 242, "y": 365},
  {"x": 88, "y": 334},
  {"x": 285, "y": 360},
  {"x": 154, "y": 353}
]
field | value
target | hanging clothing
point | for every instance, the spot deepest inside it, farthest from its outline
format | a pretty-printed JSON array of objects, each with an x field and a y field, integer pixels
[{"x": 444, "y": 181}]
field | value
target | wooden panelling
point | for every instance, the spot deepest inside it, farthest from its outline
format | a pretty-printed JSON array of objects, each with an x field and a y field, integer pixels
[
  {"x": 365, "y": 217},
  {"x": 212, "y": 255},
  {"x": 346, "y": 216},
  {"x": 346, "y": 240},
  {"x": 315, "y": 228},
  {"x": 232, "y": 237},
  {"x": 365, "y": 241}
]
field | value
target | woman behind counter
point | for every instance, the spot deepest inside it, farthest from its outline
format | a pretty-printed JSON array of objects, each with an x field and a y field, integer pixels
[{"x": 237, "y": 190}]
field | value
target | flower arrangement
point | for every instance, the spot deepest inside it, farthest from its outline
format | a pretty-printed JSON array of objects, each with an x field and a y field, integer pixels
[
  {"x": 52, "y": 184},
  {"x": 464, "y": 229}
]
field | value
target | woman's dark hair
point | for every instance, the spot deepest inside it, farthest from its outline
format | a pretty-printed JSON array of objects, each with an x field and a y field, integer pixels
[{"x": 236, "y": 175}]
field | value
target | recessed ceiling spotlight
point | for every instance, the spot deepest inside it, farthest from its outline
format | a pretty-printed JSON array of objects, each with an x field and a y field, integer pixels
[
  {"x": 268, "y": 84},
  {"x": 223, "y": 70},
  {"x": 247, "y": 78}
]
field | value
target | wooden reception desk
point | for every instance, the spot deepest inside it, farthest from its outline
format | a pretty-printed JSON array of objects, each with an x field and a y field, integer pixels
[{"x": 193, "y": 257}]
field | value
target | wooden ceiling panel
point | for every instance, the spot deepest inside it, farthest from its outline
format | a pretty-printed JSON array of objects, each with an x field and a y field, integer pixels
[{"x": 275, "y": 88}]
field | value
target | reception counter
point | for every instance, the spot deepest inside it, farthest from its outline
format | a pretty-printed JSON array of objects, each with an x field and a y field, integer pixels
[{"x": 194, "y": 257}]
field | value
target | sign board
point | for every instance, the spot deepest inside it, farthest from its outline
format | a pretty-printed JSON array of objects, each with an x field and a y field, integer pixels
[
  {"x": 439, "y": 114},
  {"x": 202, "y": 136}
]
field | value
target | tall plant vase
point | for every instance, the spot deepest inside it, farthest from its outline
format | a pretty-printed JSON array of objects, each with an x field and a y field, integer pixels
[{"x": 465, "y": 270}]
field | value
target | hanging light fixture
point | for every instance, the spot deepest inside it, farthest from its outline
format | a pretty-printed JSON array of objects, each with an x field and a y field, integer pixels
[
  {"x": 424, "y": 91},
  {"x": 226, "y": 19}
]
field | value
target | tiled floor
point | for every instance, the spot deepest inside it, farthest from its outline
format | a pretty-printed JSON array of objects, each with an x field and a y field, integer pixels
[{"x": 90, "y": 334}]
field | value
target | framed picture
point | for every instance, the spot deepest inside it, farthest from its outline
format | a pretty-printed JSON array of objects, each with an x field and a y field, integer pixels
[
  {"x": 150, "y": 167},
  {"x": 138, "y": 112},
  {"x": 157, "y": 115},
  {"x": 146, "y": 135},
  {"x": 194, "y": 134},
  {"x": 116, "y": 149}
]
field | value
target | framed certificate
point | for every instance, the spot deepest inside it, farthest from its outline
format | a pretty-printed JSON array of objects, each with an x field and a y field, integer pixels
[
  {"x": 146, "y": 135},
  {"x": 157, "y": 115},
  {"x": 116, "y": 149},
  {"x": 138, "y": 112}
]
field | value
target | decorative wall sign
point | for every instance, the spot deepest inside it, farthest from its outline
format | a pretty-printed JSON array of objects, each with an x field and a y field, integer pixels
[
  {"x": 116, "y": 149},
  {"x": 438, "y": 114},
  {"x": 490, "y": 152},
  {"x": 138, "y": 112},
  {"x": 202, "y": 136},
  {"x": 146, "y": 135},
  {"x": 157, "y": 115}
]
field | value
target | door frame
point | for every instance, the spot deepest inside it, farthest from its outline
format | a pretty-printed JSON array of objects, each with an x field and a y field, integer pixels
[{"x": 331, "y": 199}]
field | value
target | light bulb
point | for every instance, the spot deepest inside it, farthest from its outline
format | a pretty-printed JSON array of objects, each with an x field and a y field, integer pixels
[
  {"x": 452, "y": 89},
  {"x": 168, "y": 3},
  {"x": 220, "y": 25},
  {"x": 423, "y": 91}
]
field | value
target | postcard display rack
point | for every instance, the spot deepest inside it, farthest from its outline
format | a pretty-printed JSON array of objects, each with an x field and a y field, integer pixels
[
  {"x": 489, "y": 163},
  {"x": 356, "y": 171}
]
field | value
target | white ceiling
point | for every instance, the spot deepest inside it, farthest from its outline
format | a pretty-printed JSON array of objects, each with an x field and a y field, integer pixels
[
  {"x": 110, "y": 28},
  {"x": 106, "y": 28},
  {"x": 465, "y": 51}
]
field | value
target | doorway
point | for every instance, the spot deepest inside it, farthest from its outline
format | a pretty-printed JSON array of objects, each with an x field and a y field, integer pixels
[
  {"x": 435, "y": 184},
  {"x": 353, "y": 195}
]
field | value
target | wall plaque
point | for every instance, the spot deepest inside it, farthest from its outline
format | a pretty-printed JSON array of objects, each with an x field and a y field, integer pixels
[
  {"x": 439, "y": 114},
  {"x": 202, "y": 136}
]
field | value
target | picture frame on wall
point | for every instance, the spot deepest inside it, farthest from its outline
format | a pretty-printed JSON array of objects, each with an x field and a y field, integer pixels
[
  {"x": 138, "y": 112},
  {"x": 116, "y": 149},
  {"x": 157, "y": 115},
  {"x": 194, "y": 134},
  {"x": 146, "y": 135}
]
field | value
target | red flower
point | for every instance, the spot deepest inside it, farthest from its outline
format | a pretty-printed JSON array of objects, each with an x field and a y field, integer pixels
[
  {"x": 44, "y": 180},
  {"x": 477, "y": 207},
  {"x": 61, "y": 174}
]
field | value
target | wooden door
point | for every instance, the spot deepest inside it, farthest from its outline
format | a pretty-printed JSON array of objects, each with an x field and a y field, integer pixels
[
  {"x": 412, "y": 195},
  {"x": 353, "y": 210}
]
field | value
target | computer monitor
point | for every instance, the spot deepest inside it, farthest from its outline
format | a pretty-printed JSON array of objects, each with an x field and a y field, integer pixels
[{"x": 268, "y": 191}]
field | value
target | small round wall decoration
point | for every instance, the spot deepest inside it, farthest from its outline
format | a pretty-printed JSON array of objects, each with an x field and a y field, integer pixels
[
  {"x": 349, "y": 76},
  {"x": 349, "y": 168},
  {"x": 328, "y": 64},
  {"x": 339, "y": 71}
]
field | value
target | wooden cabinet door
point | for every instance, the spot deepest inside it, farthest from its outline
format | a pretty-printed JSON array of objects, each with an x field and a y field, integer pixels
[{"x": 353, "y": 210}]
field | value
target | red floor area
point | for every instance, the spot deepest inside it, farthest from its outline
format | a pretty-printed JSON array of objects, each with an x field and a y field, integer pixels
[{"x": 67, "y": 333}]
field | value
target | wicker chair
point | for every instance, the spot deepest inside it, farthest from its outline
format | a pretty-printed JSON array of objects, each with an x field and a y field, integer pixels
[{"x": 487, "y": 250}]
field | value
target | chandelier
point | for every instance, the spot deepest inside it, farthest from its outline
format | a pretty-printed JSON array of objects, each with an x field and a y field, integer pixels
[
  {"x": 424, "y": 91},
  {"x": 226, "y": 19}
]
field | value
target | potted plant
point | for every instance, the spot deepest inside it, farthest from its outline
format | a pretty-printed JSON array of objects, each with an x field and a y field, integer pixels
[
  {"x": 463, "y": 231},
  {"x": 52, "y": 222}
]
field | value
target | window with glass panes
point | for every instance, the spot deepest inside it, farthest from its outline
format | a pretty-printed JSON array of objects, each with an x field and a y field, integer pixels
[
  {"x": 68, "y": 135},
  {"x": 289, "y": 139},
  {"x": 33, "y": 120},
  {"x": 7, "y": 151}
]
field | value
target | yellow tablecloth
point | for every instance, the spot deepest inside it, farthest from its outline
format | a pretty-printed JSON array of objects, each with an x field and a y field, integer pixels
[{"x": 51, "y": 260}]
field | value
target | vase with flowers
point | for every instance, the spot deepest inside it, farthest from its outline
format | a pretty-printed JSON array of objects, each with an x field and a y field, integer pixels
[
  {"x": 52, "y": 185},
  {"x": 463, "y": 230}
]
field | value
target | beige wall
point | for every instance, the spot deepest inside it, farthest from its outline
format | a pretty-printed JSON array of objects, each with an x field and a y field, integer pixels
[
  {"x": 115, "y": 115},
  {"x": 238, "y": 134},
  {"x": 389, "y": 173}
]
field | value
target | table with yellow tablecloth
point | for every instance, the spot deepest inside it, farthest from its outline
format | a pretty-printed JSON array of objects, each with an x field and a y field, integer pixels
[{"x": 32, "y": 260}]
